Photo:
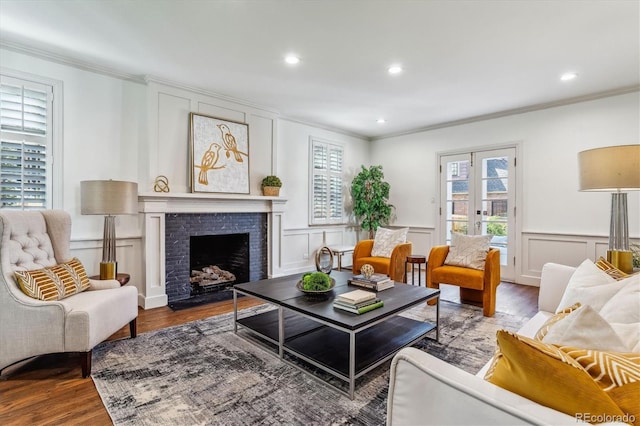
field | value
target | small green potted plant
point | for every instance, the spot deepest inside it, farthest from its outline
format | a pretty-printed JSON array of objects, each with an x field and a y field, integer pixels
[{"x": 271, "y": 185}]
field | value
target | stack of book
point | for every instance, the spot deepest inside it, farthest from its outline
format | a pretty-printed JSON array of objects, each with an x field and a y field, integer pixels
[
  {"x": 357, "y": 301},
  {"x": 376, "y": 282}
]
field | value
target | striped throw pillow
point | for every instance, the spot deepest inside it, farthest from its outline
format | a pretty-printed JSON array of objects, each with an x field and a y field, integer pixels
[{"x": 54, "y": 282}]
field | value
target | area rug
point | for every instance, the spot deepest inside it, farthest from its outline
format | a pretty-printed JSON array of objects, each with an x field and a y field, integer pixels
[{"x": 201, "y": 373}]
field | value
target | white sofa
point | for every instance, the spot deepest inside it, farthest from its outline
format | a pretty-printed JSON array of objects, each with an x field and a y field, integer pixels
[{"x": 425, "y": 390}]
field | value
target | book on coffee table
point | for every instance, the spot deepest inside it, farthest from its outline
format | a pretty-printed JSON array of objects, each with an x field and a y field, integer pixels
[
  {"x": 376, "y": 282},
  {"x": 356, "y": 296},
  {"x": 375, "y": 303}
]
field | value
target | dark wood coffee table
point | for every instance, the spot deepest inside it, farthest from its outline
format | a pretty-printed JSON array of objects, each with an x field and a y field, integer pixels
[{"x": 342, "y": 344}]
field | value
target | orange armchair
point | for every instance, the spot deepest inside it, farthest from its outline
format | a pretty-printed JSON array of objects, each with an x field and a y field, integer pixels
[
  {"x": 475, "y": 285},
  {"x": 393, "y": 266}
]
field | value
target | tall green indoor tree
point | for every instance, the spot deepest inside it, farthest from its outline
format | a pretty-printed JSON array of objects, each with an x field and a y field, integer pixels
[{"x": 370, "y": 195}]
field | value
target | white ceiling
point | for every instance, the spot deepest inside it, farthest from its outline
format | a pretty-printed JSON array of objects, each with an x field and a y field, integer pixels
[{"x": 462, "y": 59}]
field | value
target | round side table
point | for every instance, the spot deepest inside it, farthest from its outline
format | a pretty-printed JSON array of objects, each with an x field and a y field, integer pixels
[
  {"x": 123, "y": 278},
  {"x": 415, "y": 259}
]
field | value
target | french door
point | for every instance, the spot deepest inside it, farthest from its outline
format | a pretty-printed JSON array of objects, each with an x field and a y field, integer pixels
[{"x": 478, "y": 198}]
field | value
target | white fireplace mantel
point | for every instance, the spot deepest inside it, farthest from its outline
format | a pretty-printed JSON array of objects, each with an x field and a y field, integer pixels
[{"x": 154, "y": 206}]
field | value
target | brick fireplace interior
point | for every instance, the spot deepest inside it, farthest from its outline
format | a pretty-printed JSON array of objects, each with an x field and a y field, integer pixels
[{"x": 235, "y": 242}]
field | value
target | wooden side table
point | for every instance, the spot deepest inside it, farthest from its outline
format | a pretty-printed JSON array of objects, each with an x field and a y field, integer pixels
[
  {"x": 122, "y": 278},
  {"x": 340, "y": 251},
  {"x": 415, "y": 259}
]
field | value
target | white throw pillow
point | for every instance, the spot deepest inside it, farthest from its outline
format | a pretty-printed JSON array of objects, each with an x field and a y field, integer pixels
[
  {"x": 469, "y": 251},
  {"x": 387, "y": 239},
  {"x": 622, "y": 311},
  {"x": 624, "y": 306},
  {"x": 589, "y": 285},
  {"x": 585, "y": 328}
]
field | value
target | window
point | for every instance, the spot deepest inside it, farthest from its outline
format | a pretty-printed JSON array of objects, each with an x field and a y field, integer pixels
[
  {"x": 25, "y": 144},
  {"x": 326, "y": 201}
]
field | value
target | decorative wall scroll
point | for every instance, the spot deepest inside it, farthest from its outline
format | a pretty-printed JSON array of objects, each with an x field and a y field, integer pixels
[{"x": 219, "y": 155}]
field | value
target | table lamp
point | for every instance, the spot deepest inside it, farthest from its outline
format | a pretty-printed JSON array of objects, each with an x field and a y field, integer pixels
[
  {"x": 615, "y": 169},
  {"x": 109, "y": 198}
]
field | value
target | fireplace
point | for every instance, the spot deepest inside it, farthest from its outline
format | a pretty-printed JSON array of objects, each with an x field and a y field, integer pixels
[
  {"x": 233, "y": 242},
  {"x": 218, "y": 261}
]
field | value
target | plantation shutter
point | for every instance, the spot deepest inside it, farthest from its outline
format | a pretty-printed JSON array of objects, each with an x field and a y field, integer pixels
[
  {"x": 25, "y": 124},
  {"x": 326, "y": 183}
]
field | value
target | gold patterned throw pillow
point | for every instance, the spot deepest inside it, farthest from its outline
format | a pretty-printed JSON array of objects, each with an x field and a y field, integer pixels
[
  {"x": 54, "y": 282},
  {"x": 610, "y": 269},
  {"x": 555, "y": 377},
  {"x": 618, "y": 374}
]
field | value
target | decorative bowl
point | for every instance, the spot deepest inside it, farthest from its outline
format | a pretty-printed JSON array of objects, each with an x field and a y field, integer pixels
[{"x": 316, "y": 293}]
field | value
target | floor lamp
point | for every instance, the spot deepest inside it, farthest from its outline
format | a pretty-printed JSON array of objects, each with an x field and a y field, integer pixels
[
  {"x": 109, "y": 198},
  {"x": 615, "y": 169}
]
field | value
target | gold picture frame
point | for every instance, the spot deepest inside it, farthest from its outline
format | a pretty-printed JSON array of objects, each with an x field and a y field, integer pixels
[{"x": 219, "y": 155}]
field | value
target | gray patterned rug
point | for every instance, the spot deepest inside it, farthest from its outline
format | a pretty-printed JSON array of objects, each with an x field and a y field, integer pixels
[{"x": 201, "y": 373}]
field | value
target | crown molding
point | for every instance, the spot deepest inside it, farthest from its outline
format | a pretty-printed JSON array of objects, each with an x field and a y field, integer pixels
[
  {"x": 327, "y": 127},
  {"x": 194, "y": 89},
  {"x": 68, "y": 60},
  {"x": 515, "y": 111}
]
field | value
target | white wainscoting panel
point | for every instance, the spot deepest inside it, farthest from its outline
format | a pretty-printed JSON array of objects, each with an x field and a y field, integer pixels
[{"x": 540, "y": 248}]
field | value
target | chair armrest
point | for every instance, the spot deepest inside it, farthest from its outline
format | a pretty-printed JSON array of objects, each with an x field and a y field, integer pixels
[
  {"x": 492, "y": 268},
  {"x": 103, "y": 284},
  {"x": 437, "y": 256},
  {"x": 397, "y": 262},
  {"x": 362, "y": 249},
  {"x": 424, "y": 389},
  {"x": 553, "y": 282}
]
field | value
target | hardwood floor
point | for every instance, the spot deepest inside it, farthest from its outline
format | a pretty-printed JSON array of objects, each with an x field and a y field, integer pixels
[{"x": 49, "y": 390}]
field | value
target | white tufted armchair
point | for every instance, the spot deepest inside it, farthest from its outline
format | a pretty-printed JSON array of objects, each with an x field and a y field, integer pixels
[{"x": 30, "y": 327}]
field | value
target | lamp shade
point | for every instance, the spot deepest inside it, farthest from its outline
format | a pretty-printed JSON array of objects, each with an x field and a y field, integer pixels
[
  {"x": 610, "y": 168},
  {"x": 108, "y": 197}
]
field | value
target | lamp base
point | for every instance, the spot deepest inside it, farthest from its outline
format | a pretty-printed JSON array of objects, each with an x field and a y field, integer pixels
[
  {"x": 621, "y": 259},
  {"x": 108, "y": 270}
]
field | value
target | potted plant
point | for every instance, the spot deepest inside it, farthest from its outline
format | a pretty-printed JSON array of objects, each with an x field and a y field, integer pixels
[
  {"x": 271, "y": 185},
  {"x": 370, "y": 195}
]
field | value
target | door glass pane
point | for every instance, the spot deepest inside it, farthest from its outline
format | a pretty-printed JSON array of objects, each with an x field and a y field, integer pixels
[
  {"x": 457, "y": 202},
  {"x": 495, "y": 184}
]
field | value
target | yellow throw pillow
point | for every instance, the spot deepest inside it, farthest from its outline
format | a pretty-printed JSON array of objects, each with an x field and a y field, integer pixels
[
  {"x": 545, "y": 374},
  {"x": 54, "y": 282},
  {"x": 554, "y": 319},
  {"x": 618, "y": 374}
]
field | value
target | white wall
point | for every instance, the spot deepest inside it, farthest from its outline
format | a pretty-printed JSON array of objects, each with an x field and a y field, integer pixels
[
  {"x": 135, "y": 131},
  {"x": 103, "y": 125},
  {"x": 119, "y": 129},
  {"x": 550, "y": 202},
  {"x": 301, "y": 240}
]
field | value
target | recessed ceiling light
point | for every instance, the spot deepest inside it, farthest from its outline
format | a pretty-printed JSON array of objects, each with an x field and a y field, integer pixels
[
  {"x": 381, "y": 121},
  {"x": 568, "y": 76},
  {"x": 395, "y": 69},
  {"x": 292, "y": 59}
]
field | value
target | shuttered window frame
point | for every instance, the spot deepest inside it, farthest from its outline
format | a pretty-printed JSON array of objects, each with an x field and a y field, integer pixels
[
  {"x": 326, "y": 182},
  {"x": 33, "y": 145}
]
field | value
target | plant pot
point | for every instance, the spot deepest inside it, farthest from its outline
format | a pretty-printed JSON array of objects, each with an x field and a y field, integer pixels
[{"x": 272, "y": 191}]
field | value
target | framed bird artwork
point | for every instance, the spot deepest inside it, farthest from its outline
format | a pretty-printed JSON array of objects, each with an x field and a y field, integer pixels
[{"x": 219, "y": 155}]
